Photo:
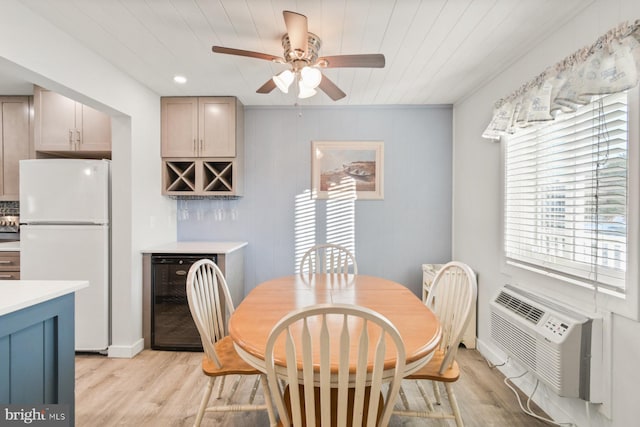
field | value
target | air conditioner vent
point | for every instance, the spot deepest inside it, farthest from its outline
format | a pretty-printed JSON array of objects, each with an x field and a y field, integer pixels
[{"x": 519, "y": 307}]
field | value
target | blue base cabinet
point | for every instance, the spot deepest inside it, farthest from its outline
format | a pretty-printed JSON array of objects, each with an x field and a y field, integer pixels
[{"x": 37, "y": 363}]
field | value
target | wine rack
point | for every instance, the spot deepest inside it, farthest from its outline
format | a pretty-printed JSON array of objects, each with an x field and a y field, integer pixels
[{"x": 200, "y": 177}]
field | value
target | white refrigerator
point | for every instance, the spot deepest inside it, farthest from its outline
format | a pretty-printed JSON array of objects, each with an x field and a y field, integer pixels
[{"x": 65, "y": 235}]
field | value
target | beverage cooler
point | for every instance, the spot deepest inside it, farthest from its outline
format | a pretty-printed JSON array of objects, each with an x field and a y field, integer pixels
[{"x": 172, "y": 327}]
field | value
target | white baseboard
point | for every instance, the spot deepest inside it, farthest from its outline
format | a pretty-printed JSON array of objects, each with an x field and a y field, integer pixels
[{"x": 126, "y": 351}]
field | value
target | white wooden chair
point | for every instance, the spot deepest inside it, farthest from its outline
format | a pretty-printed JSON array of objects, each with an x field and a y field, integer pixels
[
  {"x": 210, "y": 303},
  {"x": 328, "y": 258},
  {"x": 452, "y": 297},
  {"x": 318, "y": 336}
]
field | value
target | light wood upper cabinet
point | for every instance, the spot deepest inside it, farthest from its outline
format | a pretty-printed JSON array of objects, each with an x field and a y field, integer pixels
[
  {"x": 64, "y": 125},
  {"x": 14, "y": 141},
  {"x": 202, "y": 146},
  {"x": 179, "y": 127},
  {"x": 199, "y": 126},
  {"x": 96, "y": 129},
  {"x": 217, "y": 127}
]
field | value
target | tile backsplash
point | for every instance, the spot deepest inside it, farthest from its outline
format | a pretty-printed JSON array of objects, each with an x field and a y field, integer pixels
[{"x": 9, "y": 208}]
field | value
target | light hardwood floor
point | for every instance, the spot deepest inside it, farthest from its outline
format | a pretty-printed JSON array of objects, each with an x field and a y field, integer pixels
[{"x": 163, "y": 388}]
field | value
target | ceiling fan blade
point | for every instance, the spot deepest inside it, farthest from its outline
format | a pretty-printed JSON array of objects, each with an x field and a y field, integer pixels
[
  {"x": 375, "y": 60},
  {"x": 267, "y": 87},
  {"x": 330, "y": 88},
  {"x": 248, "y": 53},
  {"x": 298, "y": 30}
]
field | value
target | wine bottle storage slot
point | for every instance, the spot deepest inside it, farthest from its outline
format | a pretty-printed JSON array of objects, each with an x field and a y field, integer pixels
[
  {"x": 218, "y": 176},
  {"x": 181, "y": 176}
]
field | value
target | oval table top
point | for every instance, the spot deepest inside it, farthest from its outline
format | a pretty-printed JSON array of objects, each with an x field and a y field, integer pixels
[{"x": 265, "y": 305}]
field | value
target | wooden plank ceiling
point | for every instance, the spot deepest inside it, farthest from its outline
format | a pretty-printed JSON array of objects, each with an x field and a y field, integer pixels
[{"x": 437, "y": 51}]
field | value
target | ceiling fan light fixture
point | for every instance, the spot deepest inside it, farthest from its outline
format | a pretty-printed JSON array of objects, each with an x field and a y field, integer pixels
[
  {"x": 305, "y": 91},
  {"x": 310, "y": 77},
  {"x": 284, "y": 80},
  {"x": 301, "y": 53}
]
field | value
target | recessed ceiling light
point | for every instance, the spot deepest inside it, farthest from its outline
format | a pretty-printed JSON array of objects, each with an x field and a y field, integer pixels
[{"x": 180, "y": 79}]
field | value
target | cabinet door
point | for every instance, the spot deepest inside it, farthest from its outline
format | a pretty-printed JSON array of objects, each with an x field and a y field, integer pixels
[
  {"x": 217, "y": 127},
  {"x": 55, "y": 117},
  {"x": 179, "y": 126},
  {"x": 15, "y": 143},
  {"x": 96, "y": 129}
]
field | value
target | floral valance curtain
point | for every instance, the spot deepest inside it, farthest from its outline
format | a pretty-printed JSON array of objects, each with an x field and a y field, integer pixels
[{"x": 610, "y": 65}]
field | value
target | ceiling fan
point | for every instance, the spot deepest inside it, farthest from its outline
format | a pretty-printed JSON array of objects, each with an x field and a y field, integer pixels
[{"x": 301, "y": 54}]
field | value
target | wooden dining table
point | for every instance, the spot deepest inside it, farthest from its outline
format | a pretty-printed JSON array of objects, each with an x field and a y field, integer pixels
[{"x": 265, "y": 305}]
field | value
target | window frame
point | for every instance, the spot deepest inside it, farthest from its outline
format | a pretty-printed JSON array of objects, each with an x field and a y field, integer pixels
[{"x": 576, "y": 292}]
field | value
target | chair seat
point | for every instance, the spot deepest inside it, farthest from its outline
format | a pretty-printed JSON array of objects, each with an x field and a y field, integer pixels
[
  {"x": 430, "y": 370},
  {"x": 230, "y": 360},
  {"x": 334, "y": 404}
]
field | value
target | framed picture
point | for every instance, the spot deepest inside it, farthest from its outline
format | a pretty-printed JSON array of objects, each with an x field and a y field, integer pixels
[{"x": 346, "y": 166}]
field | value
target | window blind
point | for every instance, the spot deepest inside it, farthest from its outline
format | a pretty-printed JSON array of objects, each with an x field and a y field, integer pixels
[{"x": 566, "y": 194}]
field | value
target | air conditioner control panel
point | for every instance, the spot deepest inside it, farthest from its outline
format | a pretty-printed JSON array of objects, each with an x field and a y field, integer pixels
[{"x": 556, "y": 326}]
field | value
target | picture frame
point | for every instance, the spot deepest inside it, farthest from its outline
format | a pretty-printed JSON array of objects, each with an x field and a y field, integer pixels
[{"x": 339, "y": 166}]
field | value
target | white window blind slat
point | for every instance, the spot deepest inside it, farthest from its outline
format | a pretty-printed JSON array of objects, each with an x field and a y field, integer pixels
[{"x": 566, "y": 194}]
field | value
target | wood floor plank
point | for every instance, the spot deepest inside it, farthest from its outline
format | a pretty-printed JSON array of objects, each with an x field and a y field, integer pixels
[{"x": 164, "y": 388}]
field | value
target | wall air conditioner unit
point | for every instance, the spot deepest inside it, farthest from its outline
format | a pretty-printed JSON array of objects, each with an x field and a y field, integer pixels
[{"x": 559, "y": 345}]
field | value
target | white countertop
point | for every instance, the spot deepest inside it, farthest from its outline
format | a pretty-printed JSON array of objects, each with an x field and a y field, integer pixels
[
  {"x": 18, "y": 294},
  {"x": 202, "y": 247},
  {"x": 9, "y": 246}
]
